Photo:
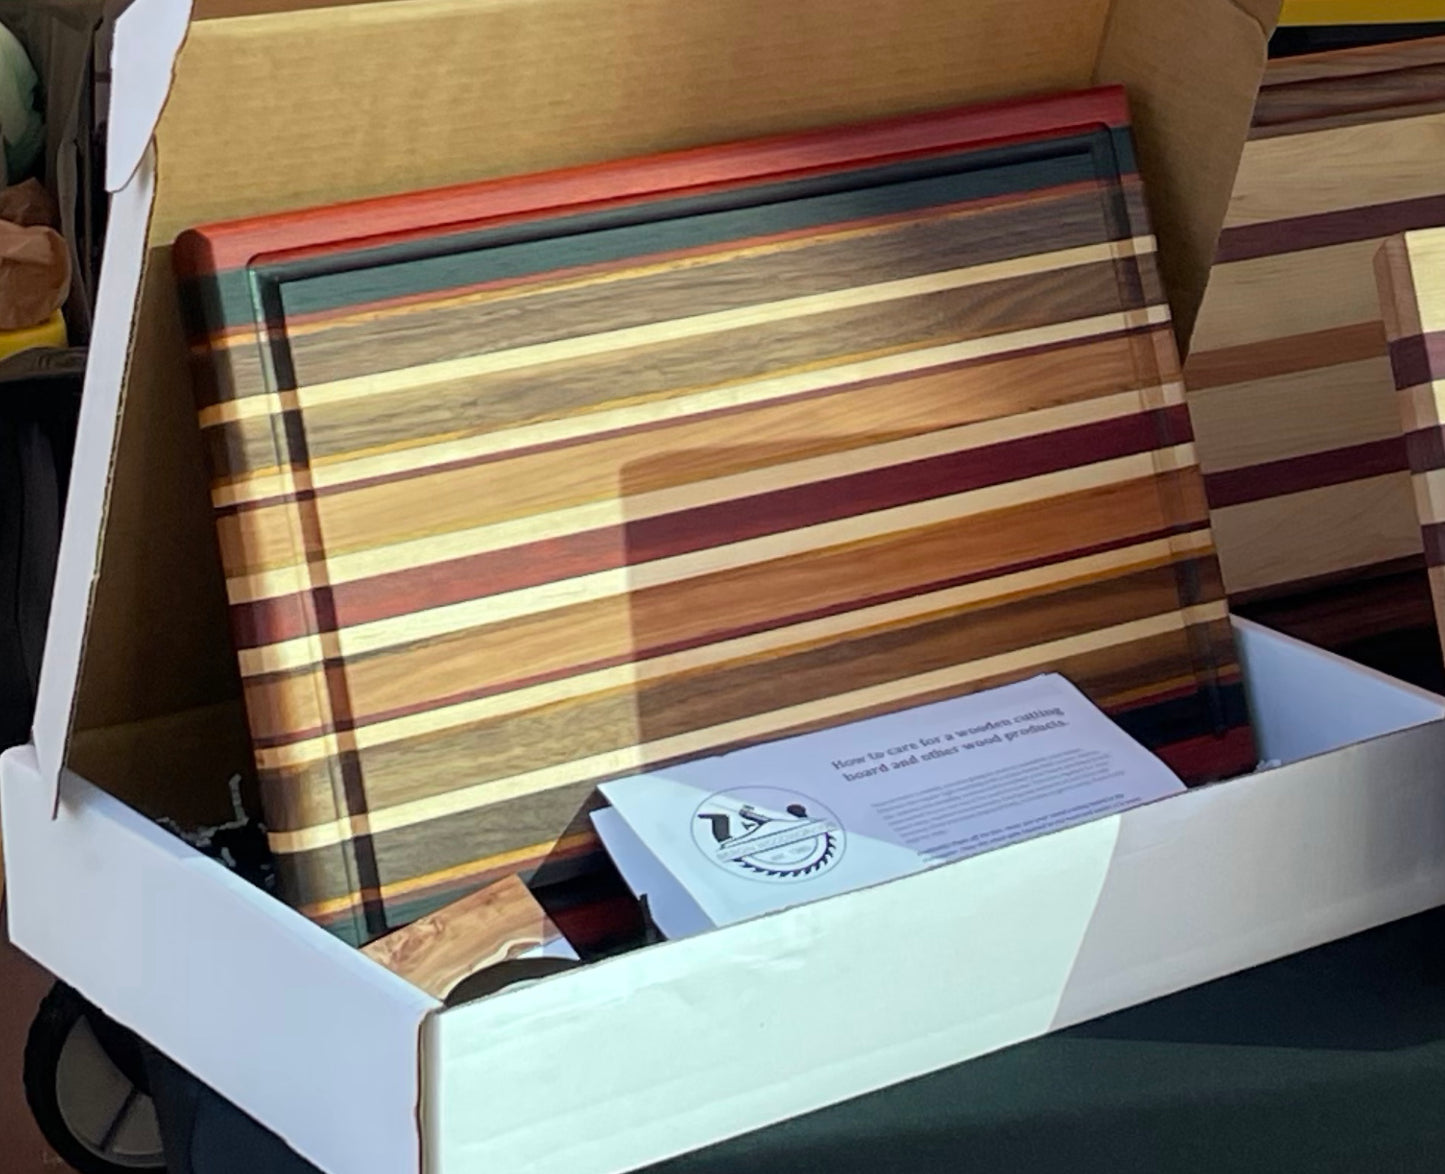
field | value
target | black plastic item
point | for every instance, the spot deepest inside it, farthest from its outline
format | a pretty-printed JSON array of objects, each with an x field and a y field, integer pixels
[
  {"x": 39, "y": 409},
  {"x": 63, "y": 1072},
  {"x": 1297, "y": 41}
]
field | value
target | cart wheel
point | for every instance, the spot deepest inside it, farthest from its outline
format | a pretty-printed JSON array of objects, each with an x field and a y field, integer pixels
[{"x": 86, "y": 1084}]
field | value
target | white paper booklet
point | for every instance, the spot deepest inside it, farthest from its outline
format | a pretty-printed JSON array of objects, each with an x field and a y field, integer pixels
[{"x": 724, "y": 839}]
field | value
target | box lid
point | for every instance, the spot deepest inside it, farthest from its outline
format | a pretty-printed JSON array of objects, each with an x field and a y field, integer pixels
[{"x": 248, "y": 108}]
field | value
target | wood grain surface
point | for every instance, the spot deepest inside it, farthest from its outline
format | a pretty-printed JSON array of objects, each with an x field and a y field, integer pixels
[
  {"x": 1410, "y": 269},
  {"x": 533, "y": 484},
  {"x": 1289, "y": 378},
  {"x": 498, "y": 923}
]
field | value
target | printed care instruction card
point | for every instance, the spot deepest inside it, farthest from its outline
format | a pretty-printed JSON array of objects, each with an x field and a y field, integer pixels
[{"x": 723, "y": 839}]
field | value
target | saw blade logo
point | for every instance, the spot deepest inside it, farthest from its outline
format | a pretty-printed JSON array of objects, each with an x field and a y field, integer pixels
[{"x": 768, "y": 834}]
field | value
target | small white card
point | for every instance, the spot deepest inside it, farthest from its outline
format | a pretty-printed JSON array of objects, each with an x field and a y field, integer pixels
[{"x": 723, "y": 839}]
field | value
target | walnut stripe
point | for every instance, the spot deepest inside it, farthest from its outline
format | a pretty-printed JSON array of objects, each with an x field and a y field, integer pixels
[
  {"x": 671, "y": 366},
  {"x": 717, "y": 444},
  {"x": 638, "y": 756},
  {"x": 1019, "y": 545},
  {"x": 362, "y": 638},
  {"x": 634, "y": 294},
  {"x": 509, "y": 560},
  {"x": 470, "y": 367},
  {"x": 431, "y": 714},
  {"x": 354, "y": 468},
  {"x": 466, "y": 839},
  {"x": 616, "y": 503}
]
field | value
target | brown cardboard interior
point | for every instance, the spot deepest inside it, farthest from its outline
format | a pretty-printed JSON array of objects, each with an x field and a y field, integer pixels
[{"x": 293, "y": 108}]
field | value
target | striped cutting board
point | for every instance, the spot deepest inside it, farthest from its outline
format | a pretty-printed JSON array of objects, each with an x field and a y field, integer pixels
[
  {"x": 1289, "y": 380},
  {"x": 537, "y": 482},
  {"x": 1411, "y": 273}
]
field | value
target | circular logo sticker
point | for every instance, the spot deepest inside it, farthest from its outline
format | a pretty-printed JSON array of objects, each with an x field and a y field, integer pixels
[{"x": 768, "y": 834}]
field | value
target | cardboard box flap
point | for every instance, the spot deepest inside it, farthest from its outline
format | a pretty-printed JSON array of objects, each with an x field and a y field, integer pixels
[
  {"x": 148, "y": 35},
  {"x": 301, "y": 106}
]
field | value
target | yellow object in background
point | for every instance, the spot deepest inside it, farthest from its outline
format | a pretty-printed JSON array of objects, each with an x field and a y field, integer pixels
[
  {"x": 1302, "y": 12},
  {"x": 49, "y": 333}
]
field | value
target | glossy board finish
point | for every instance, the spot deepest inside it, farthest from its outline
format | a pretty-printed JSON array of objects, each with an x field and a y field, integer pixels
[
  {"x": 1289, "y": 377},
  {"x": 534, "y": 483}
]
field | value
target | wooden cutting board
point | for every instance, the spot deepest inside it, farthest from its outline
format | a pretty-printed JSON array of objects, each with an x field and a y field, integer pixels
[
  {"x": 534, "y": 483},
  {"x": 1289, "y": 380},
  {"x": 1411, "y": 272}
]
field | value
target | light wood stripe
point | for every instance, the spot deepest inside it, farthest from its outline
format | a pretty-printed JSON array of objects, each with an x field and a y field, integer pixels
[
  {"x": 1275, "y": 297},
  {"x": 412, "y": 379},
  {"x": 857, "y": 622},
  {"x": 1245, "y": 424},
  {"x": 1423, "y": 406},
  {"x": 1320, "y": 532},
  {"x": 1429, "y": 490},
  {"x": 1377, "y": 163},
  {"x": 619, "y": 510},
  {"x": 365, "y": 638},
  {"x": 350, "y": 469},
  {"x": 698, "y": 742},
  {"x": 852, "y": 417}
]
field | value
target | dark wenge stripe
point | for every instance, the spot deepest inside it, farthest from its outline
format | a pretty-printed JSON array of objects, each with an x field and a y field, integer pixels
[
  {"x": 1426, "y": 450},
  {"x": 645, "y": 652},
  {"x": 1418, "y": 359},
  {"x": 1298, "y": 474},
  {"x": 495, "y": 572},
  {"x": 1434, "y": 541},
  {"x": 1250, "y": 241},
  {"x": 622, "y": 296}
]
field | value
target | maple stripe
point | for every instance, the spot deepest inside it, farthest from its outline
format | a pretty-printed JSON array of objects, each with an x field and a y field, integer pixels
[
  {"x": 1422, "y": 405},
  {"x": 739, "y": 602},
  {"x": 1126, "y": 554},
  {"x": 621, "y": 578},
  {"x": 735, "y": 520},
  {"x": 432, "y": 714},
  {"x": 1155, "y": 719},
  {"x": 368, "y": 466},
  {"x": 1086, "y": 423},
  {"x": 638, "y": 757},
  {"x": 653, "y": 280},
  {"x": 453, "y": 370},
  {"x": 1313, "y": 471},
  {"x": 698, "y": 449}
]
